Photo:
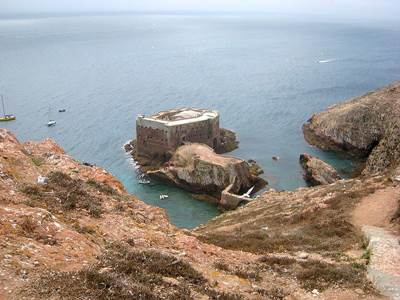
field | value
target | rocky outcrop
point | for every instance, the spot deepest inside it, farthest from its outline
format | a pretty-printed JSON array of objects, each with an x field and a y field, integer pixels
[
  {"x": 198, "y": 169},
  {"x": 229, "y": 141},
  {"x": 367, "y": 127},
  {"x": 316, "y": 171}
]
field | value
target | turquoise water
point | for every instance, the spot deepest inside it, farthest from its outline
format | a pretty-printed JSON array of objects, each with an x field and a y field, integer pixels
[{"x": 261, "y": 72}]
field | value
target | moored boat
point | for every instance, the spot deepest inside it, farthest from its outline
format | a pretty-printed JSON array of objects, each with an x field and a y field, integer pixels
[
  {"x": 51, "y": 122},
  {"x": 5, "y": 116}
]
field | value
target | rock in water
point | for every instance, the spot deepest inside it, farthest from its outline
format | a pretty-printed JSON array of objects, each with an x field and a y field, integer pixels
[
  {"x": 367, "y": 126},
  {"x": 317, "y": 172},
  {"x": 229, "y": 141},
  {"x": 197, "y": 168}
]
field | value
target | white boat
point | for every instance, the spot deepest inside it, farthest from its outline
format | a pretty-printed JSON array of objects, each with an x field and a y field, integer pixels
[
  {"x": 162, "y": 197},
  {"x": 51, "y": 122},
  {"x": 5, "y": 116},
  {"x": 144, "y": 181}
]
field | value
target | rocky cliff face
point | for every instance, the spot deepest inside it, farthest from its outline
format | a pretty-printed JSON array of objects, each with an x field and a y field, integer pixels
[
  {"x": 367, "y": 126},
  {"x": 81, "y": 236},
  {"x": 197, "y": 168},
  {"x": 316, "y": 171}
]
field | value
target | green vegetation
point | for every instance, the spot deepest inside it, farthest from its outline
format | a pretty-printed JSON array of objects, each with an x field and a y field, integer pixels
[
  {"x": 367, "y": 255},
  {"x": 38, "y": 161}
]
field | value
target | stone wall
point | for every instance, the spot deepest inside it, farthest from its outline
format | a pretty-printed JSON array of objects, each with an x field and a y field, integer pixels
[
  {"x": 157, "y": 139},
  {"x": 229, "y": 200}
]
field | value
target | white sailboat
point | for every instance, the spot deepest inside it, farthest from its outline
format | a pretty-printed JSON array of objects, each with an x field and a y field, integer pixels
[
  {"x": 51, "y": 122},
  {"x": 6, "y": 117}
]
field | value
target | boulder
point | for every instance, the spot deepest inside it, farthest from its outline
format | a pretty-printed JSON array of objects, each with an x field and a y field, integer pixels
[
  {"x": 367, "y": 127},
  {"x": 198, "y": 169},
  {"x": 316, "y": 171},
  {"x": 229, "y": 141}
]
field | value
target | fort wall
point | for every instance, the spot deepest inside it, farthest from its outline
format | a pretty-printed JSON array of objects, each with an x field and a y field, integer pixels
[{"x": 159, "y": 138}]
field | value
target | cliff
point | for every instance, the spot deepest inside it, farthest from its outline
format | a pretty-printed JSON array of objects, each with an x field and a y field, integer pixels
[
  {"x": 80, "y": 235},
  {"x": 366, "y": 127},
  {"x": 198, "y": 169}
]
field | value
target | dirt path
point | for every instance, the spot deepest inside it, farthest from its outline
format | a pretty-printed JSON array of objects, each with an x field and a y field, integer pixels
[
  {"x": 372, "y": 215},
  {"x": 377, "y": 209}
]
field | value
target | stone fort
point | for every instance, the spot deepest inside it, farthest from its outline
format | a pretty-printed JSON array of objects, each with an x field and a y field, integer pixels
[{"x": 159, "y": 135}]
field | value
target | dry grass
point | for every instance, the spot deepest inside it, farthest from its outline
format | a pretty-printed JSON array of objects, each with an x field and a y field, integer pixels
[
  {"x": 220, "y": 265},
  {"x": 124, "y": 274},
  {"x": 319, "y": 275},
  {"x": 274, "y": 293},
  {"x": 250, "y": 272},
  {"x": 63, "y": 193},
  {"x": 102, "y": 187},
  {"x": 315, "y": 274},
  {"x": 84, "y": 229},
  {"x": 325, "y": 231},
  {"x": 28, "y": 225}
]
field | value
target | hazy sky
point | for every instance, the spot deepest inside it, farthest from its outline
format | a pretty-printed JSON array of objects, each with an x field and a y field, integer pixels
[{"x": 359, "y": 8}]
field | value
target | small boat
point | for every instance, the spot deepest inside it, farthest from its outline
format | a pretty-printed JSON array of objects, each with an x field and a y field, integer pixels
[
  {"x": 144, "y": 181},
  {"x": 162, "y": 197},
  {"x": 51, "y": 123},
  {"x": 62, "y": 110},
  {"x": 6, "y": 117}
]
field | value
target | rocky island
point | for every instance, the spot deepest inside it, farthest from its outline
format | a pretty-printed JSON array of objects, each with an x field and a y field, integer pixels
[{"x": 183, "y": 147}]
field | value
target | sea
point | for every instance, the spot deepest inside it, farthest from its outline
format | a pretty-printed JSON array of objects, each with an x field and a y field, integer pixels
[{"x": 265, "y": 73}]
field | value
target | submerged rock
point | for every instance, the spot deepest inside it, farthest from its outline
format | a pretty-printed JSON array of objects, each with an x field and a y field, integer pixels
[
  {"x": 366, "y": 127},
  {"x": 197, "y": 168},
  {"x": 316, "y": 171}
]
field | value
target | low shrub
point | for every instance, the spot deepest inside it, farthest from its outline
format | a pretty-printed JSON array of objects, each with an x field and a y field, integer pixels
[{"x": 102, "y": 187}]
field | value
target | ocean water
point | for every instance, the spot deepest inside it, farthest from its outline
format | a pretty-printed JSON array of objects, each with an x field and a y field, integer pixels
[{"x": 265, "y": 74}]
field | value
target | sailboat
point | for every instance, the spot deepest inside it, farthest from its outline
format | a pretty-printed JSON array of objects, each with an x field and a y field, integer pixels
[
  {"x": 6, "y": 117},
  {"x": 51, "y": 122}
]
